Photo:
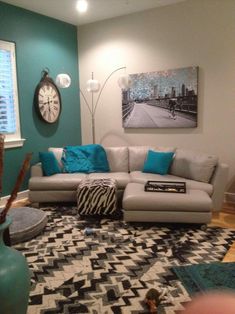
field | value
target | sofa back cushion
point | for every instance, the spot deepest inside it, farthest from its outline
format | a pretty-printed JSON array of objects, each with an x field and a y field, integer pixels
[
  {"x": 57, "y": 151},
  {"x": 138, "y": 154},
  {"x": 193, "y": 165},
  {"x": 117, "y": 158}
]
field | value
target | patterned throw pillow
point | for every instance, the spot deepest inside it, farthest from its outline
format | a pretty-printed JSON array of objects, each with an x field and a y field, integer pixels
[{"x": 85, "y": 158}]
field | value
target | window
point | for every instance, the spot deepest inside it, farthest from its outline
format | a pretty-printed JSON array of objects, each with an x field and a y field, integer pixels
[{"x": 9, "y": 107}]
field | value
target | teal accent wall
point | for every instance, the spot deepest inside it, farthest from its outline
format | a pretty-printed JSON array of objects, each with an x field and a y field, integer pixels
[{"x": 40, "y": 42}]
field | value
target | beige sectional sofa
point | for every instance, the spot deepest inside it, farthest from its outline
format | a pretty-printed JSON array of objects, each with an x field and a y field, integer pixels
[{"x": 204, "y": 175}]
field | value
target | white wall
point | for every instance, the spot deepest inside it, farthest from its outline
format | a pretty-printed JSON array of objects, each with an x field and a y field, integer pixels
[{"x": 193, "y": 33}]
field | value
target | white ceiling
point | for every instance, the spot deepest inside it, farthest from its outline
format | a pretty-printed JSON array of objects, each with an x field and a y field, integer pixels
[{"x": 98, "y": 10}]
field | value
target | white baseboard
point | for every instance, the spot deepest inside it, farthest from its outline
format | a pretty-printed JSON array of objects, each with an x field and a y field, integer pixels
[
  {"x": 229, "y": 197},
  {"x": 21, "y": 195}
]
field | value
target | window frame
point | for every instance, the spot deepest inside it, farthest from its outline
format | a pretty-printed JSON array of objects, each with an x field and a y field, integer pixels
[{"x": 13, "y": 139}]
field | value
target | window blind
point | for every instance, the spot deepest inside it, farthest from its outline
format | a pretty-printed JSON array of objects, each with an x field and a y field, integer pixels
[{"x": 7, "y": 92}]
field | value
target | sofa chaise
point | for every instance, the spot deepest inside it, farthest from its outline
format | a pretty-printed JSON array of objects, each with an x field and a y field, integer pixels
[{"x": 204, "y": 175}]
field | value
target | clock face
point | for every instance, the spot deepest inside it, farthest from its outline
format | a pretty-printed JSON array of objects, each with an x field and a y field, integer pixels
[{"x": 48, "y": 101}]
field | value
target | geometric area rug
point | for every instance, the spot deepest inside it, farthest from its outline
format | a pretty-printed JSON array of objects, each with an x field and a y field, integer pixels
[
  {"x": 111, "y": 269},
  {"x": 203, "y": 277}
]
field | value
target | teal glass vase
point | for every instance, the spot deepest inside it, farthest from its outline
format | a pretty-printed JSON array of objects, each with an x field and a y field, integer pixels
[{"x": 14, "y": 277}]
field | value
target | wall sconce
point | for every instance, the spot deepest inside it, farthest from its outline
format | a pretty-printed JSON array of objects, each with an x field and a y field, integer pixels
[
  {"x": 63, "y": 80},
  {"x": 93, "y": 86}
]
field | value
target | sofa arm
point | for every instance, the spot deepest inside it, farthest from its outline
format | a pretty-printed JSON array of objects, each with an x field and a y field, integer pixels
[
  {"x": 36, "y": 170},
  {"x": 219, "y": 181}
]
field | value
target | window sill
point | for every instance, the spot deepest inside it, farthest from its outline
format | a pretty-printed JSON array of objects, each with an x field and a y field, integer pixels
[{"x": 14, "y": 143}]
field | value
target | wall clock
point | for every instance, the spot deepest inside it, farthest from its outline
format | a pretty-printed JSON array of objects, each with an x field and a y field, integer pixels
[{"x": 47, "y": 99}]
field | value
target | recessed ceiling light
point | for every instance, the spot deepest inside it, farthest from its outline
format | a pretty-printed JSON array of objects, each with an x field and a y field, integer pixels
[{"x": 82, "y": 6}]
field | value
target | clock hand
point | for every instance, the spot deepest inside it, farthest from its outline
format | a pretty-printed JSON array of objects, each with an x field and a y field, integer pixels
[{"x": 47, "y": 102}]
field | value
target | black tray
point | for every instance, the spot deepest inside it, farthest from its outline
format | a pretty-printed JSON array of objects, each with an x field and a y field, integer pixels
[{"x": 165, "y": 186}]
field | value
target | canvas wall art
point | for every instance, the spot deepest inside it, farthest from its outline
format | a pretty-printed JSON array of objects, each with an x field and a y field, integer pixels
[{"x": 162, "y": 99}]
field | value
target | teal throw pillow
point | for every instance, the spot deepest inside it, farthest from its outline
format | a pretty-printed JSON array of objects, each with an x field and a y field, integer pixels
[
  {"x": 50, "y": 164},
  {"x": 158, "y": 162},
  {"x": 85, "y": 158}
]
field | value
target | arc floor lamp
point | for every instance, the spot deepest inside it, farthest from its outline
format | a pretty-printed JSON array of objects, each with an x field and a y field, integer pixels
[{"x": 93, "y": 86}]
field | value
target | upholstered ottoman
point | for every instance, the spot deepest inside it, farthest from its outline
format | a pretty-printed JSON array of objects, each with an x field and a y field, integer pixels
[
  {"x": 27, "y": 223},
  {"x": 96, "y": 197},
  {"x": 194, "y": 206}
]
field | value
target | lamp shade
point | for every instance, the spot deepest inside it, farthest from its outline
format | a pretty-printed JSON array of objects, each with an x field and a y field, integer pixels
[
  {"x": 92, "y": 86},
  {"x": 124, "y": 82},
  {"x": 63, "y": 80}
]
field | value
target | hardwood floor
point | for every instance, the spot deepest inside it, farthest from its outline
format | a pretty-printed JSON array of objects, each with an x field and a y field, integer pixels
[{"x": 224, "y": 219}]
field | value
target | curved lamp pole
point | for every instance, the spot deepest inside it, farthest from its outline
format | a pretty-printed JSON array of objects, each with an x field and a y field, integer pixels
[{"x": 93, "y": 86}]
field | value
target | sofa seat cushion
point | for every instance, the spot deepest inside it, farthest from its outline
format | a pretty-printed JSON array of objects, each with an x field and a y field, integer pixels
[
  {"x": 140, "y": 177},
  {"x": 122, "y": 178},
  {"x": 60, "y": 181}
]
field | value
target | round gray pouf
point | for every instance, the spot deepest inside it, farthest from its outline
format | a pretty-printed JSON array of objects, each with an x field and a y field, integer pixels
[{"x": 27, "y": 222}]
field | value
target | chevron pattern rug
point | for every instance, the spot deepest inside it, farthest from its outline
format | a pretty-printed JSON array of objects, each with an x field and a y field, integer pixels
[{"x": 106, "y": 266}]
